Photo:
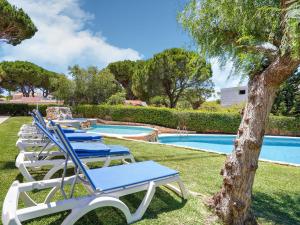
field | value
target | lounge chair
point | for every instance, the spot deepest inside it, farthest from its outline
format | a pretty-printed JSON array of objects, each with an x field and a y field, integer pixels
[
  {"x": 105, "y": 185},
  {"x": 71, "y": 136},
  {"x": 37, "y": 116},
  {"x": 87, "y": 151}
]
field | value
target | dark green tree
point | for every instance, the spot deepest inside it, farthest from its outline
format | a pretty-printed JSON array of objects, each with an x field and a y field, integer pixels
[
  {"x": 123, "y": 72},
  {"x": 196, "y": 96},
  {"x": 63, "y": 88},
  {"x": 262, "y": 39},
  {"x": 174, "y": 71},
  {"x": 142, "y": 87},
  {"x": 15, "y": 24},
  {"x": 25, "y": 77},
  {"x": 287, "y": 100},
  {"x": 92, "y": 85}
]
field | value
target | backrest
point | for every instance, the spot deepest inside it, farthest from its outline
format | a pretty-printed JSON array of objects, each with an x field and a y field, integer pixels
[
  {"x": 39, "y": 117},
  {"x": 70, "y": 151},
  {"x": 50, "y": 136}
]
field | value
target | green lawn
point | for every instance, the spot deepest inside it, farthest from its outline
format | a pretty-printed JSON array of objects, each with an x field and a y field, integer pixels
[{"x": 276, "y": 188}]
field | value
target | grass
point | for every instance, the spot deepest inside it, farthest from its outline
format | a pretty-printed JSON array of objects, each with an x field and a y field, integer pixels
[{"x": 276, "y": 190}]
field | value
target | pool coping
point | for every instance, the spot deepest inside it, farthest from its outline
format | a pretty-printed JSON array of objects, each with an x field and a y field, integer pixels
[
  {"x": 228, "y": 135},
  {"x": 211, "y": 151}
]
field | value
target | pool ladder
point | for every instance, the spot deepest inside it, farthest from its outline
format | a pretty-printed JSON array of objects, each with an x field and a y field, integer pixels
[{"x": 182, "y": 130}]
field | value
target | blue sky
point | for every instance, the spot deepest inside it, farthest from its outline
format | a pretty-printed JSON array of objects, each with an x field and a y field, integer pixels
[
  {"x": 87, "y": 32},
  {"x": 148, "y": 26}
]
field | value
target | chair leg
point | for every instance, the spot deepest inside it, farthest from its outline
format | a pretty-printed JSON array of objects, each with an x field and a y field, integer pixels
[
  {"x": 145, "y": 203},
  {"x": 97, "y": 202},
  {"x": 52, "y": 171},
  {"x": 24, "y": 171},
  {"x": 181, "y": 191}
]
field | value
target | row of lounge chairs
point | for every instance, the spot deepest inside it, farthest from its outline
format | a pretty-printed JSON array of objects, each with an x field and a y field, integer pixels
[{"x": 49, "y": 145}]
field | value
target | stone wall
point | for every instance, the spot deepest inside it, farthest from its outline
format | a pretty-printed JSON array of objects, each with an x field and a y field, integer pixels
[{"x": 58, "y": 113}]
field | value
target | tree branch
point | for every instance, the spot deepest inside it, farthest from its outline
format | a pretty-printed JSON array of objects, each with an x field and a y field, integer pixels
[{"x": 269, "y": 52}]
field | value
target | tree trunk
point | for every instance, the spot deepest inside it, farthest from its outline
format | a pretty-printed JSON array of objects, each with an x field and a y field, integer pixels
[{"x": 233, "y": 202}]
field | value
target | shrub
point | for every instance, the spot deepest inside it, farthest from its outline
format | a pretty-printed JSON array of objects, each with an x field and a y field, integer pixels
[
  {"x": 159, "y": 101},
  {"x": 183, "y": 104},
  {"x": 202, "y": 122},
  {"x": 215, "y": 106},
  {"x": 20, "y": 109},
  {"x": 117, "y": 99}
]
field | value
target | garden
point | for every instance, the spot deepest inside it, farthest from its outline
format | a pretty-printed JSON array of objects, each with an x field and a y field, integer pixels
[{"x": 214, "y": 153}]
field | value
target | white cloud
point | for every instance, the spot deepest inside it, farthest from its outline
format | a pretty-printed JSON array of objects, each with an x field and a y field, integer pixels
[{"x": 62, "y": 38}]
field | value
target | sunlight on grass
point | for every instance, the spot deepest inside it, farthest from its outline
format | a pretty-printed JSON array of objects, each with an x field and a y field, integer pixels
[{"x": 276, "y": 188}]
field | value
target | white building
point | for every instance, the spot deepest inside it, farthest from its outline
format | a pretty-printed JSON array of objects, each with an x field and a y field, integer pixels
[{"x": 234, "y": 95}]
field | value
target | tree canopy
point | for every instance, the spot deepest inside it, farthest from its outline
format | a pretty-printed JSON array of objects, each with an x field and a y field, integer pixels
[
  {"x": 250, "y": 33},
  {"x": 123, "y": 72},
  {"x": 93, "y": 86},
  {"x": 287, "y": 101},
  {"x": 25, "y": 77},
  {"x": 175, "y": 71},
  {"x": 15, "y": 24}
]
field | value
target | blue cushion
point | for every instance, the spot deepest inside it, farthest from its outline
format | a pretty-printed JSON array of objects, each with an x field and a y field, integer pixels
[
  {"x": 109, "y": 178},
  {"x": 82, "y": 137},
  {"x": 89, "y": 146},
  {"x": 80, "y": 131},
  {"x": 69, "y": 130},
  {"x": 118, "y": 150},
  {"x": 90, "y": 149},
  {"x": 111, "y": 150}
]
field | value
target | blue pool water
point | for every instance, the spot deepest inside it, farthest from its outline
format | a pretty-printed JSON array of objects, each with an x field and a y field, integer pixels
[
  {"x": 120, "y": 130},
  {"x": 281, "y": 149}
]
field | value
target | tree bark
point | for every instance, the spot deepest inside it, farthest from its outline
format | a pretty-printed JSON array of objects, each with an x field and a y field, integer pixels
[{"x": 233, "y": 202}]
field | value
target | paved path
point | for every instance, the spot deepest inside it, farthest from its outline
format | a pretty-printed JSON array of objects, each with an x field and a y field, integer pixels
[{"x": 3, "y": 118}]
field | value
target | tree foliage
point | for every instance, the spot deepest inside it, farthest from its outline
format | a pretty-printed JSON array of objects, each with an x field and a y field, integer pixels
[
  {"x": 25, "y": 77},
  {"x": 15, "y": 24},
  {"x": 63, "y": 88},
  {"x": 287, "y": 102},
  {"x": 142, "y": 87},
  {"x": 175, "y": 71},
  {"x": 117, "y": 99},
  {"x": 92, "y": 85},
  {"x": 249, "y": 33},
  {"x": 123, "y": 72}
]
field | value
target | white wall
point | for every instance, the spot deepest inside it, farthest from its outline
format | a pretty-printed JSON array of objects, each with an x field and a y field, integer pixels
[{"x": 231, "y": 96}]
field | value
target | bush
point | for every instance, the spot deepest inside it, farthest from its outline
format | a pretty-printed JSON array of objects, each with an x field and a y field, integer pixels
[
  {"x": 117, "y": 99},
  {"x": 202, "y": 122},
  {"x": 215, "y": 106},
  {"x": 183, "y": 104},
  {"x": 159, "y": 101},
  {"x": 20, "y": 109}
]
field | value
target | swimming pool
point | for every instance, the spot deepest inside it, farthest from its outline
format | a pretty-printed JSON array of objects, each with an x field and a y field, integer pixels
[
  {"x": 121, "y": 130},
  {"x": 279, "y": 149}
]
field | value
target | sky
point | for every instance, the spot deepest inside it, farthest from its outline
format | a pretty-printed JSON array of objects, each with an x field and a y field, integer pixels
[{"x": 91, "y": 32}]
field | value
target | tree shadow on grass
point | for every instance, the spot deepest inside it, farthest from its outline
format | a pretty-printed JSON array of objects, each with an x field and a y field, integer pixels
[
  {"x": 181, "y": 157},
  {"x": 280, "y": 208},
  {"x": 162, "y": 202},
  {"x": 7, "y": 165}
]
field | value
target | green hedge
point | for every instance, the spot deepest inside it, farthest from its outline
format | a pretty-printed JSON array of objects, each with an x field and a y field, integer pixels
[
  {"x": 19, "y": 109},
  {"x": 202, "y": 122}
]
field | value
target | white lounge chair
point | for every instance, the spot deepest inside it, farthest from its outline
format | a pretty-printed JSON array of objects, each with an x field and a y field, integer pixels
[
  {"x": 106, "y": 186},
  {"x": 87, "y": 151}
]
